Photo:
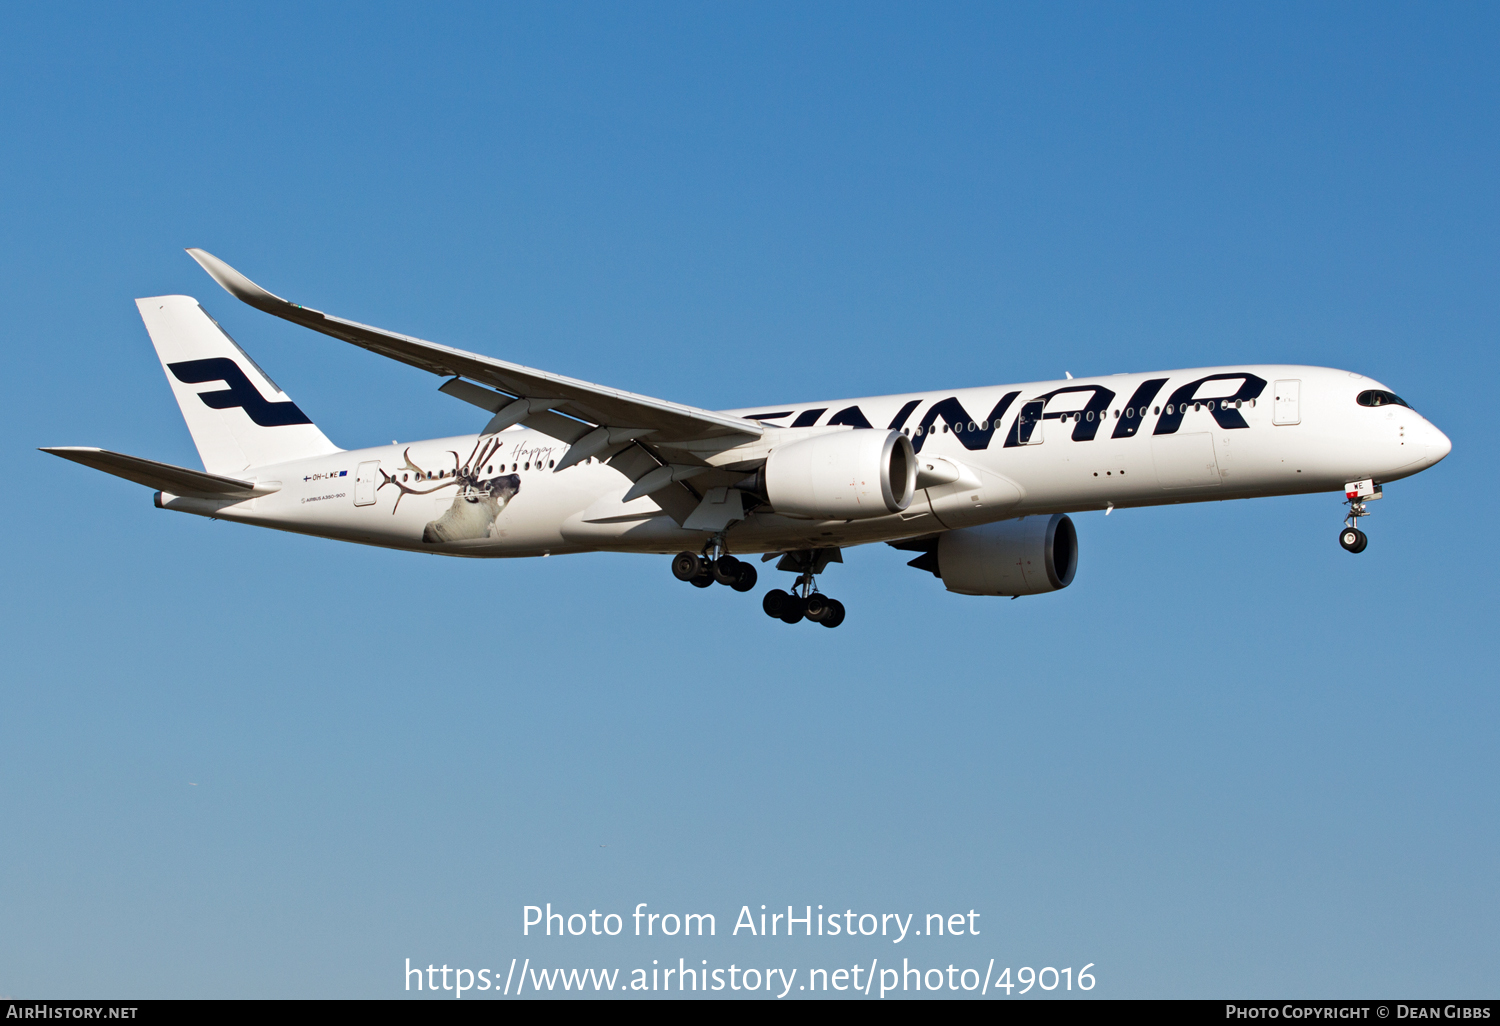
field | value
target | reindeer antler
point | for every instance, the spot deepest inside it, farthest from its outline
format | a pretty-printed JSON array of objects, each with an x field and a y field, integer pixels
[
  {"x": 405, "y": 489},
  {"x": 483, "y": 450},
  {"x": 465, "y": 474}
]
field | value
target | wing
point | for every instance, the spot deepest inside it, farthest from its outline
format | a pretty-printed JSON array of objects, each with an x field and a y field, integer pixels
[{"x": 550, "y": 400}]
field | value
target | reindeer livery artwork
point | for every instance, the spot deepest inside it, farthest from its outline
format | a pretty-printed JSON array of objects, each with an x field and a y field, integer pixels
[
  {"x": 977, "y": 483},
  {"x": 477, "y": 498}
]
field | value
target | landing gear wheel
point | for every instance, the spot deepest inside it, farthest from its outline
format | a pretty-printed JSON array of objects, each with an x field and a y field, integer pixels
[
  {"x": 705, "y": 578},
  {"x": 745, "y": 579},
  {"x": 793, "y": 609},
  {"x": 686, "y": 566},
  {"x": 835, "y": 614},
  {"x": 773, "y": 602},
  {"x": 726, "y": 569},
  {"x": 1353, "y": 539},
  {"x": 817, "y": 607}
]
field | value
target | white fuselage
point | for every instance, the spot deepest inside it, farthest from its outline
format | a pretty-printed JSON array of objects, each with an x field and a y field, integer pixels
[{"x": 1103, "y": 442}]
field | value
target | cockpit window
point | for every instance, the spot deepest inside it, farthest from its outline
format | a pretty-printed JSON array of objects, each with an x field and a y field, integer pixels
[{"x": 1378, "y": 397}]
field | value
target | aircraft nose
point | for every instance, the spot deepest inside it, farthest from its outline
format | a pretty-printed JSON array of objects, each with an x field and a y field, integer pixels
[{"x": 1438, "y": 445}]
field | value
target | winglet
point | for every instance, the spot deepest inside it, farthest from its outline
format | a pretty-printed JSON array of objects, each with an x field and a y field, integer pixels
[{"x": 245, "y": 290}]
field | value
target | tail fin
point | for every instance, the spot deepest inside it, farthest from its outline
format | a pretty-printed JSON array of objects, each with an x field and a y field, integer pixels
[{"x": 243, "y": 420}]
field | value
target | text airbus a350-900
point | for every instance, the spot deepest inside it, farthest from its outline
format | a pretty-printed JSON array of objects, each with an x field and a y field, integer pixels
[{"x": 978, "y": 481}]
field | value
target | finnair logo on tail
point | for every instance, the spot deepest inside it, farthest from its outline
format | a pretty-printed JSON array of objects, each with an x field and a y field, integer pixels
[{"x": 240, "y": 392}]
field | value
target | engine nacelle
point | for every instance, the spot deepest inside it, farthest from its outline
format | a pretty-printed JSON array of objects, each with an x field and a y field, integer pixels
[
  {"x": 1028, "y": 556},
  {"x": 848, "y": 475}
]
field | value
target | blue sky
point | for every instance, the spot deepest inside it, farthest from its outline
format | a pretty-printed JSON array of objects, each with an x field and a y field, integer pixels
[{"x": 1231, "y": 759}]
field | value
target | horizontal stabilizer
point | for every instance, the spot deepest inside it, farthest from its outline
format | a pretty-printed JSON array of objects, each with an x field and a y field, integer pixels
[{"x": 162, "y": 476}]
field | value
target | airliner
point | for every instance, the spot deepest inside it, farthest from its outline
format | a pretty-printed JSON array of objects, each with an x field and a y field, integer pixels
[{"x": 977, "y": 482}]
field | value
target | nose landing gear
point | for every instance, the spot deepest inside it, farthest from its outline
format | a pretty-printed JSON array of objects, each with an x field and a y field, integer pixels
[{"x": 1356, "y": 494}]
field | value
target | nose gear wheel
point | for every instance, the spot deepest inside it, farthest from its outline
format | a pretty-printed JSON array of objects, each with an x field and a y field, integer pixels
[{"x": 1351, "y": 537}]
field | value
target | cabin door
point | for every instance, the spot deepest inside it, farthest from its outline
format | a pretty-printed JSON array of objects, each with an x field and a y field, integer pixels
[
  {"x": 366, "y": 480},
  {"x": 1029, "y": 426},
  {"x": 1288, "y": 395}
]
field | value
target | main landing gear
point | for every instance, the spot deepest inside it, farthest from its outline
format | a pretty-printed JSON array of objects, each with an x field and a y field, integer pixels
[
  {"x": 804, "y": 601},
  {"x": 815, "y": 606},
  {"x": 703, "y": 571},
  {"x": 1356, "y": 494}
]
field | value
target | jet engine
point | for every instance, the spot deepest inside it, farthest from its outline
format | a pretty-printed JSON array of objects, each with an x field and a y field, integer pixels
[
  {"x": 848, "y": 475},
  {"x": 1028, "y": 556}
]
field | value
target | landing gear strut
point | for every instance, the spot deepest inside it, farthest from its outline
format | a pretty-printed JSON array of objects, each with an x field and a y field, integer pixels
[
  {"x": 804, "y": 601},
  {"x": 1356, "y": 494}
]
